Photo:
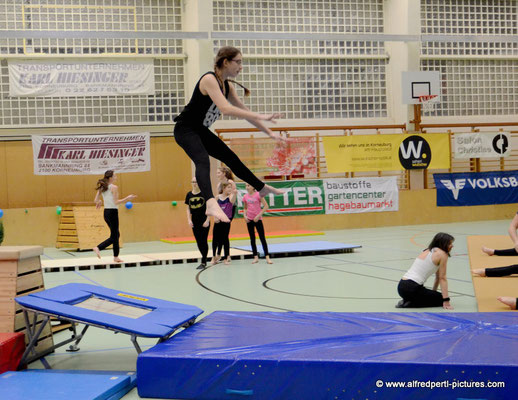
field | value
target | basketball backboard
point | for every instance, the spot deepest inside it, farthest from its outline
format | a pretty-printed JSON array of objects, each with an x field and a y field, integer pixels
[{"x": 419, "y": 83}]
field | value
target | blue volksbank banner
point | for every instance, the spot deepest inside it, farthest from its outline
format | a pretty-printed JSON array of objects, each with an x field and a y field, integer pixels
[{"x": 477, "y": 188}]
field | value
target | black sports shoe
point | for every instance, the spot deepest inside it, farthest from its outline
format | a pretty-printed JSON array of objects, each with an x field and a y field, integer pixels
[
  {"x": 201, "y": 266},
  {"x": 403, "y": 304}
]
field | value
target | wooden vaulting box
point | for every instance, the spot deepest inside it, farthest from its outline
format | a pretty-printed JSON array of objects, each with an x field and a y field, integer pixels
[{"x": 20, "y": 274}]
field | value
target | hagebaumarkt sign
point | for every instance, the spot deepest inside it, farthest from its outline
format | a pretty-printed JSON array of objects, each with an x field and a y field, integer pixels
[{"x": 330, "y": 196}]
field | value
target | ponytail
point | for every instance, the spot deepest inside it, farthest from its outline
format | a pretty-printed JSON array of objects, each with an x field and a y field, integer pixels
[
  {"x": 247, "y": 91},
  {"x": 103, "y": 183}
]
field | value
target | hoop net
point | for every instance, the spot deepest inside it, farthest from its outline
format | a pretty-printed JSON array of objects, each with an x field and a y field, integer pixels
[{"x": 428, "y": 102}]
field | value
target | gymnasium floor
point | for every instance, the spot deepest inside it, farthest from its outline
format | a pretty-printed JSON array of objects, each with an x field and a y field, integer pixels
[{"x": 362, "y": 281}]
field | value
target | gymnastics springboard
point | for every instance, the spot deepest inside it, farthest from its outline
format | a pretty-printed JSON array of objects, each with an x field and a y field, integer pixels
[
  {"x": 274, "y": 355},
  {"x": 487, "y": 290}
]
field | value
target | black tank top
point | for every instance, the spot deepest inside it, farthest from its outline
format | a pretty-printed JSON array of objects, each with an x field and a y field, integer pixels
[{"x": 201, "y": 110}]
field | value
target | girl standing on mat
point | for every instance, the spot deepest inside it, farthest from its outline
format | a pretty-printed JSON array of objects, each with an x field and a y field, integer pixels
[
  {"x": 432, "y": 260},
  {"x": 254, "y": 208},
  {"x": 221, "y": 231},
  {"x": 110, "y": 197},
  {"x": 212, "y": 96},
  {"x": 198, "y": 221}
]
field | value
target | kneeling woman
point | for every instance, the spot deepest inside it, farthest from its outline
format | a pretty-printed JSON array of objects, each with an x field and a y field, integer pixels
[{"x": 432, "y": 260}]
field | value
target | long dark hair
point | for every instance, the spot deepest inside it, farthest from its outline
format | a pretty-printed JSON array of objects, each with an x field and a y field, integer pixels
[
  {"x": 103, "y": 183},
  {"x": 227, "y": 53},
  {"x": 441, "y": 241}
]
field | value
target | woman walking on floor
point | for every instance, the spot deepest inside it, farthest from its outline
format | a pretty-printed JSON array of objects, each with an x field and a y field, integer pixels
[{"x": 109, "y": 193}]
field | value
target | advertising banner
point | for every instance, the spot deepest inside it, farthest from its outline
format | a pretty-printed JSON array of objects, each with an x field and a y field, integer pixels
[
  {"x": 330, "y": 196},
  {"x": 481, "y": 145},
  {"x": 267, "y": 156},
  {"x": 358, "y": 153},
  {"x": 52, "y": 78},
  {"x": 90, "y": 154},
  {"x": 477, "y": 188},
  {"x": 360, "y": 195}
]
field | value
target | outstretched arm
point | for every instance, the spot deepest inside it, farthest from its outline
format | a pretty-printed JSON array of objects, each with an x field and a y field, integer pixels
[
  {"x": 441, "y": 278},
  {"x": 209, "y": 85},
  {"x": 116, "y": 200}
]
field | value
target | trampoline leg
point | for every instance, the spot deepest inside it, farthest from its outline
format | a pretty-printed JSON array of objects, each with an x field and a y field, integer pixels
[
  {"x": 134, "y": 341},
  {"x": 73, "y": 347},
  {"x": 33, "y": 335}
]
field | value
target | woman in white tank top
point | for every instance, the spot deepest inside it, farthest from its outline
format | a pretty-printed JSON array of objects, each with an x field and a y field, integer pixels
[
  {"x": 432, "y": 260},
  {"x": 110, "y": 197}
]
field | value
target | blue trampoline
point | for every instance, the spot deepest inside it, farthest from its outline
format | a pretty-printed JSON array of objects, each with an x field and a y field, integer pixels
[
  {"x": 123, "y": 312},
  {"x": 269, "y": 355}
]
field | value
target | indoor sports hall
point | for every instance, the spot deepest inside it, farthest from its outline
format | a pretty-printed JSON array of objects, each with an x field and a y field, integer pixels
[{"x": 258, "y": 199}]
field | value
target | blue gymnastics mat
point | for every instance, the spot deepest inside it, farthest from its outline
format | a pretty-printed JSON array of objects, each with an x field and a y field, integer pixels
[
  {"x": 66, "y": 385},
  {"x": 316, "y": 247},
  {"x": 271, "y": 355}
]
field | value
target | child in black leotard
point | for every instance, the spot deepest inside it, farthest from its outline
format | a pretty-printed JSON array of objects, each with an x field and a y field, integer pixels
[
  {"x": 212, "y": 96},
  {"x": 198, "y": 221}
]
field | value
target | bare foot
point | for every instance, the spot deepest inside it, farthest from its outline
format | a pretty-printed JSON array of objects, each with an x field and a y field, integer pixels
[
  {"x": 214, "y": 210},
  {"x": 227, "y": 261},
  {"x": 215, "y": 260},
  {"x": 255, "y": 260},
  {"x": 488, "y": 251},
  {"x": 508, "y": 301},
  {"x": 268, "y": 260},
  {"x": 96, "y": 251},
  {"x": 479, "y": 272},
  {"x": 117, "y": 260},
  {"x": 267, "y": 189}
]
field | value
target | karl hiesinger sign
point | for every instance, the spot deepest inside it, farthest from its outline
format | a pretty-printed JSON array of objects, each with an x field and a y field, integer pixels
[{"x": 90, "y": 154}]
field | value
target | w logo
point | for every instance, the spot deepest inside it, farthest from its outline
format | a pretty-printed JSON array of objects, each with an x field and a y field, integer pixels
[
  {"x": 415, "y": 153},
  {"x": 455, "y": 186},
  {"x": 411, "y": 149}
]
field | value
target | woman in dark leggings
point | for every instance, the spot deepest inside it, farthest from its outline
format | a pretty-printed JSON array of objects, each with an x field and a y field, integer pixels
[
  {"x": 110, "y": 197},
  {"x": 432, "y": 260},
  {"x": 212, "y": 96},
  {"x": 254, "y": 208},
  {"x": 198, "y": 221}
]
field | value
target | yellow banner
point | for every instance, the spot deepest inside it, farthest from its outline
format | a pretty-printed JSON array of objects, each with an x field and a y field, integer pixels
[{"x": 387, "y": 152}]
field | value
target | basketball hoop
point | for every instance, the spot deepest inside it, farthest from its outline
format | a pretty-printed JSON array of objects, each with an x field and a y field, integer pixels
[{"x": 428, "y": 102}]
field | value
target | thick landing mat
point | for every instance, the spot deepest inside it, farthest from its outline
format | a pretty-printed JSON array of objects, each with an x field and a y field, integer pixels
[
  {"x": 488, "y": 289},
  {"x": 270, "y": 355},
  {"x": 278, "y": 234},
  {"x": 66, "y": 385},
  {"x": 301, "y": 248}
]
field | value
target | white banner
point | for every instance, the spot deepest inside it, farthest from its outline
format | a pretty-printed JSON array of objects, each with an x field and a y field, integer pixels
[
  {"x": 360, "y": 195},
  {"x": 481, "y": 145},
  {"x": 81, "y": 78},
  {"x": 90, "y": 154}
]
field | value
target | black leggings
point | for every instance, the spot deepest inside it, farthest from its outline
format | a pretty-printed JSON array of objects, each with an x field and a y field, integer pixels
[
  {"x": 200, "y": 234},
  {"x": 199, "y": 143},
  {"x": 111, "y": 216},
  {"x": 220, "y": 238},
  {"x": 506, "y": 252},
  {"x": 502, "y": 271},
  {"x": 418, "y": 295},
  {"x": 260, "y": 230}
]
